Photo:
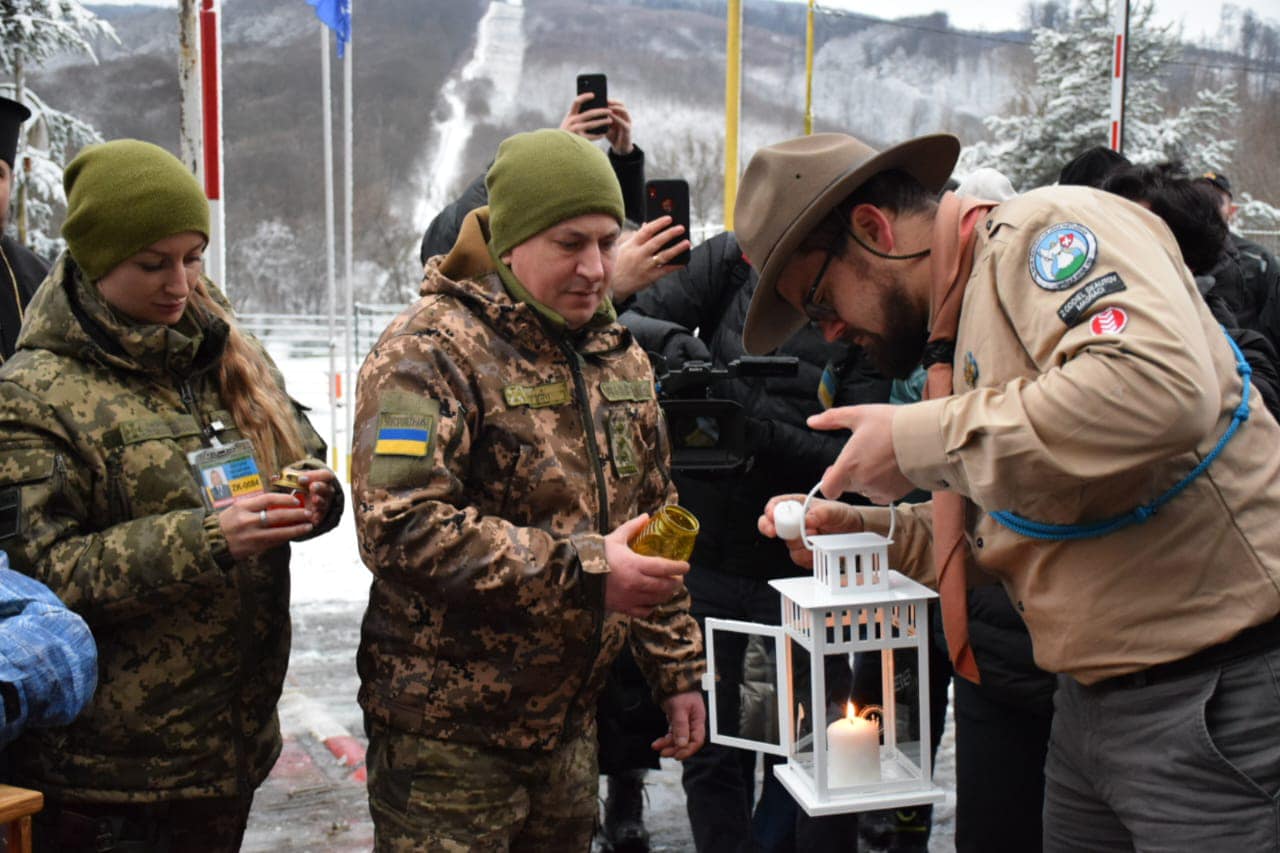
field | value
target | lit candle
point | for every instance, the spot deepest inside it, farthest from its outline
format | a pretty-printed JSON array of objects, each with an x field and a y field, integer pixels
[
  {"x": 788, "y": 519},
  {"x": 853, "y": 751}
]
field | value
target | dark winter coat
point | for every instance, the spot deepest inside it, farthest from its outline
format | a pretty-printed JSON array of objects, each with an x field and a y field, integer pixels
[
  {"x": 443, "y": 231},
  {"x": 97, "y": 416},
  {"x": 1246, "y": 278},
  {"x": 20, "y": 274},
  {"x": 711, "y": 295}
]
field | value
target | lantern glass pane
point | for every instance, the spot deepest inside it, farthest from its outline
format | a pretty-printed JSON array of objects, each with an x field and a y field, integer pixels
[
  {"x": 749, "y": 703},
  {"x": 802, "y": 713}
]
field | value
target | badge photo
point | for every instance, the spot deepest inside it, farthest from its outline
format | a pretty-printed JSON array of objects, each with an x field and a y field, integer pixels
[{"x": 1062, "y": 255}]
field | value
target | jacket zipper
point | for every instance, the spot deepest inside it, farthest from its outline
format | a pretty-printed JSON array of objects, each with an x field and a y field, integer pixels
[
  {"x": 593, "y": 452},
  {"x": 244, "y": 623},
  {"x": 589, "y": 426}
]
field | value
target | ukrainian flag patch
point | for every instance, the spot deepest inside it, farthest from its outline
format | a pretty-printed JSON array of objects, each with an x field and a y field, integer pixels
[{"x": 403, "y": 434}]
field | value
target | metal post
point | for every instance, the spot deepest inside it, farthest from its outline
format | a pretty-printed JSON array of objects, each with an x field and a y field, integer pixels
[
  {"x": 732, "y": 102},
  {"x": 1119, "y": 71},
  {"x": 211, "y": 97},
  {"x": 808, "y": 71},
  {"x": 326, "y": 90},
  {"x": 348, "y": 246}
]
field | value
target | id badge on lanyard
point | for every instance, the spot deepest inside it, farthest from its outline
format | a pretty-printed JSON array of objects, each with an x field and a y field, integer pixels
[{"x": 226, "y": 472}]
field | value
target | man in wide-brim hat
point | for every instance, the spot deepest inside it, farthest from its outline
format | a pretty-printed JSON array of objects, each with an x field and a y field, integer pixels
[
  {"x": 20, "y": 271},
  {"x": 1077, "y": 384}
]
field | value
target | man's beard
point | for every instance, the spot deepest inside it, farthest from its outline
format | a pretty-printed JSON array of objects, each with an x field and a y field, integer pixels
[{"x": 896, "y": 352}]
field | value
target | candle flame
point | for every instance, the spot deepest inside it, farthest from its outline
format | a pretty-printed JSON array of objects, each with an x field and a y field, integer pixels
[{"x": 850, "y": 711}]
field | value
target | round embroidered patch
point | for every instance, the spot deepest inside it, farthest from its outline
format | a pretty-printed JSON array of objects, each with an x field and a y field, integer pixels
[
  {"x": 1109, "y": 322},
  {"x": 1062, "y": 255}
]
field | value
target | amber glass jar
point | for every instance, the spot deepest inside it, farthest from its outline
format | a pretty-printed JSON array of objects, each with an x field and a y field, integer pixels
[{"x": 670, "y": 533}]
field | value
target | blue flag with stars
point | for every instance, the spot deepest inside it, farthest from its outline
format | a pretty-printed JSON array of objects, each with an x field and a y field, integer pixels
[{"x": 336, "y": 15}]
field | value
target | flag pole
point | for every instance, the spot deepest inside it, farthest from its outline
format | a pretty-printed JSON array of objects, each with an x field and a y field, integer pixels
[
  {"x": 348, "y": 230},
  {"x": 326, "y": 89},
  {"x": 211, "y": 98}
]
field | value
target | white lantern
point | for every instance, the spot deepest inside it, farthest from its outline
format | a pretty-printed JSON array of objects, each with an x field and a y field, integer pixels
[{"x": 838, "y": 759}]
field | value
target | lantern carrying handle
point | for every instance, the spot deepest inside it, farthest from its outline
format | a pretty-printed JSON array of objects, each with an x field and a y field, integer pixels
[{"x": 804, "y": 513}]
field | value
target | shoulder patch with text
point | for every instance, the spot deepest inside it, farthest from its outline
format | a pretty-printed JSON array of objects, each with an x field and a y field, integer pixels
[
  {"x": 404, "y": 434},
  {"x": 1062, "y": 255},
  {"x": 537, "y": 396},
  {"x": 1090, "y": 292}
]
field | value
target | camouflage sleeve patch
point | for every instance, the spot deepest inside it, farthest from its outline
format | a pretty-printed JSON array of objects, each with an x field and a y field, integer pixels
[{"x": 405, "y": 442}]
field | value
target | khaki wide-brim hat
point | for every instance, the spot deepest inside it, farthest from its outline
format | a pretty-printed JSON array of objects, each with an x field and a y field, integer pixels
[{"x": 790, "y": 186}]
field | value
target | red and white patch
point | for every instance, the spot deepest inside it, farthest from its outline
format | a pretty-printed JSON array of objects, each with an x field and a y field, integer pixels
[{"x": 1109, "y": 322}]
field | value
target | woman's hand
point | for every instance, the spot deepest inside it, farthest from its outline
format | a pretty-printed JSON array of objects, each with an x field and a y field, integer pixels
[
  {"x": 258, "y": 523},
  {"x": 319, "y": 485}
]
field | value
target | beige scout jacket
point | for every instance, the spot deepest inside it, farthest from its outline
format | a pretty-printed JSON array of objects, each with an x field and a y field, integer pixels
[
  {"x": 1061, "y": 423},
  {"x": 486, "y": 621}
]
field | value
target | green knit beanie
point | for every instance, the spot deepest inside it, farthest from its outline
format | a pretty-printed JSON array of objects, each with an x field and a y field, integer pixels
[
  {"x": 124, "y": 195},
  {"x": 542, "y": 178}
]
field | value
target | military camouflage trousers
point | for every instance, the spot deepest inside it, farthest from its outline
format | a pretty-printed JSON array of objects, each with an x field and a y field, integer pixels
[{"x": 427, "y": 794}]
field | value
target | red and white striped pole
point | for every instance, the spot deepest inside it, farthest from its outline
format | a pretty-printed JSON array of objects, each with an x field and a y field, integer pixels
[
  {"x": 211, "y": 113},
  {"x": 1119, "y": 70}
]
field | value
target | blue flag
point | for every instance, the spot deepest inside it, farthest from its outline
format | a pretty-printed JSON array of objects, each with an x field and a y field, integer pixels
[{"x": 336, "y": 15}]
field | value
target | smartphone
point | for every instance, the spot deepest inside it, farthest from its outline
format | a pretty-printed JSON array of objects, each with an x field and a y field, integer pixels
[
  {"x": 669, "y": 198},
  {"x": 598, "y": 86}
]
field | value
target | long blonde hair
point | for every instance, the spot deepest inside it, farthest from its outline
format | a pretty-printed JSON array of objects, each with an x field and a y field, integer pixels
[{"x": 259, "y": 406}]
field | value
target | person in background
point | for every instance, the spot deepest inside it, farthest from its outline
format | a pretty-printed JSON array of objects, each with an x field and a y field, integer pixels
[
  {"x": 1076, "y": 383},
  {"x": 131, "y": 374},
  {"x": 626, "y": 158},
  {"x": 48, "y": 662},
  {"x": 1090, "y": 167},
  {"x": 1187, "y": 206},
  {"x": 1246, "y": 276},
  {"x": 732, "y": 563},
  {"x": 20, "y": 270},
  {"x": 507, "y": 448}
]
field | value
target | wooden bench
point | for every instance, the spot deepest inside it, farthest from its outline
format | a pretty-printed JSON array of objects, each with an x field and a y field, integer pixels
[{"x": 17, "y": 805}]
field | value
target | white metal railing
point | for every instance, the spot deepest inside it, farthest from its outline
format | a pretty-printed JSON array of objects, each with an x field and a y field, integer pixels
[{"x": 307, "y": 335}]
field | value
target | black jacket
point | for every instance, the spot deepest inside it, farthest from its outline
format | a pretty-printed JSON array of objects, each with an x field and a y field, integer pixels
[
  {"x": 711, "y": 296},
  {"x": 442, "y": 233},
  {"x": 1246, "y": 278},
  {"x": 28, "y": 272}
]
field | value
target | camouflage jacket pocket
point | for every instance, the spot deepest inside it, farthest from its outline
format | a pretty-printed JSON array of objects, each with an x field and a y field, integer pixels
[{"x": 22, "y": 467}]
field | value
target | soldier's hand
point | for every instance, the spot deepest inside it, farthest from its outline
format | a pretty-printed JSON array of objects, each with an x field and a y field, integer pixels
[
  {"x": 242, "y": 523},
  {"x": 636, "y": 584},
  {"x": 823, "y": 517},
  {"x": 686, "y": 725}
]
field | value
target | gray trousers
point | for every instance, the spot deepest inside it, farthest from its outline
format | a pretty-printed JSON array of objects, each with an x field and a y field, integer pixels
[{"x": 1185, "y": 764}]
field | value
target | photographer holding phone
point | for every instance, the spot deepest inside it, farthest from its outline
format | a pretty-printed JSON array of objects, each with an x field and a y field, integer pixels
[{"x": 626, "y": 158}]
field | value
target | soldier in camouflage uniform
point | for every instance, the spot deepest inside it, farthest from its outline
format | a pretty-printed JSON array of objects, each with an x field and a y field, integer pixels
[
  {"x": 123, "y": 368},
  {"x": 508, "y": 442}
]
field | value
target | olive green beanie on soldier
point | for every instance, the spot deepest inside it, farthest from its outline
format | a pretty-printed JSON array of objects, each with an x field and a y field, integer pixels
[
  {"x": 542, "y": 178},
  {"x": 124, "y": 195}
]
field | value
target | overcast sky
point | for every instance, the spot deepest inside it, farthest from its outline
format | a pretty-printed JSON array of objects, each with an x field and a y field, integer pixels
[{"x": 1198, "y": 17}]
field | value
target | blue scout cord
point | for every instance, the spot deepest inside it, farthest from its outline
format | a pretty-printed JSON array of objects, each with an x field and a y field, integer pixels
[{"x": 1064, "y": 532}]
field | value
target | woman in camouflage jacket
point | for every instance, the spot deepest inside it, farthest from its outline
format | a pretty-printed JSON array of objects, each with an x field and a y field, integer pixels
[{"x": 128, "y": 362}]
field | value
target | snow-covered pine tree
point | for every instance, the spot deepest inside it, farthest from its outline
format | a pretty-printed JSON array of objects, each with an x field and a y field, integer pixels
[
  {"x": 31, "y": 32},
  {"x": 1068, "y": 106}
]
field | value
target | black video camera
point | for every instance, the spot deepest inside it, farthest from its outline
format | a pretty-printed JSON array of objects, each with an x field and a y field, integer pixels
[{"x": 709, "y": 436}]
